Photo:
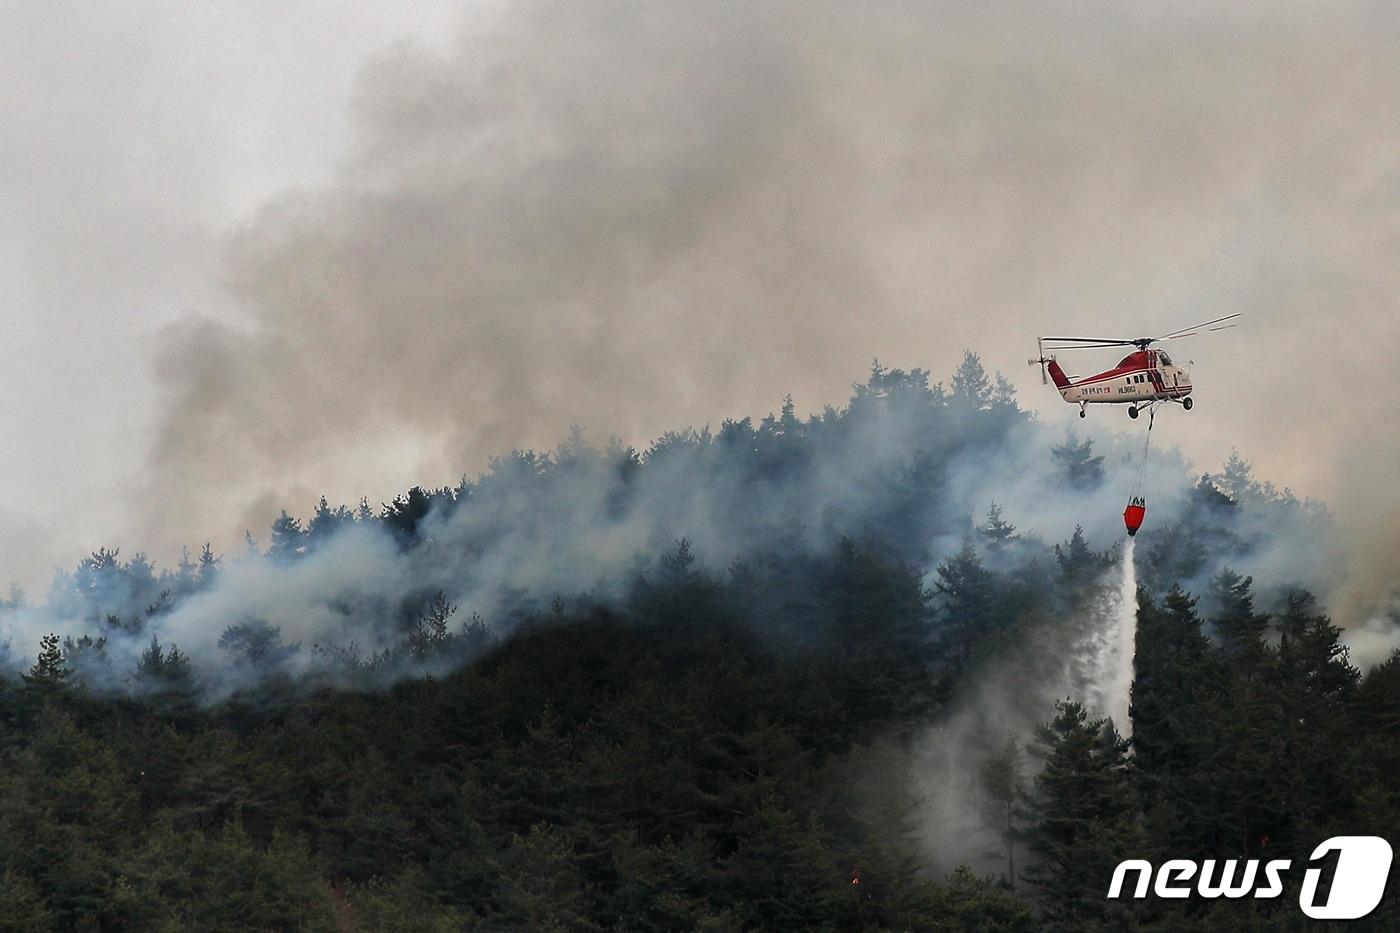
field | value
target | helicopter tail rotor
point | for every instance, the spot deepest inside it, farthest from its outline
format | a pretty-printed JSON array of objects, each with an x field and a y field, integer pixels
[{"x": 1042, "y": 360}]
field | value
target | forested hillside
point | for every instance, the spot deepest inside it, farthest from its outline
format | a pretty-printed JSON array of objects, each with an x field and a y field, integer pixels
[{"x": 698, "y": 687}]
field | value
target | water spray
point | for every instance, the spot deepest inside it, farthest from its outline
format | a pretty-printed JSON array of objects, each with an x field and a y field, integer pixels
[
  {"x": 1119, "y": 693},
  {"x": 1107, "y": 654}
]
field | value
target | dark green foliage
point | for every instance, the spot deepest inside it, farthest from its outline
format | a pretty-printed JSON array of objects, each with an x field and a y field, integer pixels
[
  {"x": 689, "y": 749},
  {"x": 998, "y": 532},
  {"x": 165, "y": 679},
  {"x": 1175, "y": 671},
  {"x": 430, "y": 636},
  {"x": 966, "y": 904},
  {"x": 662, "y": 767},
  {"x": 325, "y": 522},
  {"x": 1251, "y": 744},
  {"x": 970, "y": 384},
  {"x": 288, "y": 540},
  {"x": 1378, "y": 712},
  {"x": 1082, "y": 815},
  {"x": 665, "y": 768},
  {"x": 48, "y": 678},
  {"x": 1080, "y": 566},
  {"x": 1077, "y": 465},
  {"x": 1240, "y": 630},
  {"x": 256, "y": 644},
  {"x": 1190, "y": 546},
  {"x": 209, "y": 568},
  {"x": 969, "y": 602},
  {"x": 404, "y": 515}
]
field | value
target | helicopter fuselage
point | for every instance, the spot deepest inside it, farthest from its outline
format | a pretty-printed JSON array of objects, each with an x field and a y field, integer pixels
[{"x": 1143, "y": 376}]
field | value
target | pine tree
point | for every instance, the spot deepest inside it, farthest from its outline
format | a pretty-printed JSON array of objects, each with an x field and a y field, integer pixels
[
  {"x": 1236, "y": 480},
  {"x": 208, "y": 567},
  {"x": 476, "y": 638},
  {"x": 152, "y": 662},
  {"x": 1315, "y": 686},
  {"x": 88, "y": 662},
  {"x": 256, "y": 644},
  {"x": 1378, "y": 714},
  {"x": 1173, "y": 667},
  {"x": 288, "y": 541},
  {"x": 1003, "y": 393},
  {"x": 1078, "y": 564},
  {"x": 407, "y": 512},
  {"x": 1082, "y": 815},
  {"x": 363, "y": 512},
  {"x": 970, "y": 384},
  {"x": 164, "y": 673},
  {"x": 1077, "y": 465},
  {"x": 999, "y": 533},
  {"x": 880, "y": 622},
  {"x": 325, "y": 522},
  {"x": 186, "y": 577},
  {"x": 49, "y": 675},
  {"x": 1003, "y": 782},
  {"x": 968, "y": 602},
  {"x": 678, "y": 568},
  {"x": 430, "y": 636},
  {"x": 176, "y": 672},
  {"x": 1316, "y": 658},
  {"x": 164, "y": 602},
  {"x": 1241, "y": 630},
  {"x": 541, "y": 886}
]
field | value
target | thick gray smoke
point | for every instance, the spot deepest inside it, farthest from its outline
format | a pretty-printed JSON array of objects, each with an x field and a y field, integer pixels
[
  {"x": 628, "y": 215},
  {"x": 904, "y": 465},
  {"x": 638, "y": 216}
]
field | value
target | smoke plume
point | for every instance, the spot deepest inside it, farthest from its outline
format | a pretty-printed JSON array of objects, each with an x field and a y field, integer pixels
[{"x": 629, "y": 216}]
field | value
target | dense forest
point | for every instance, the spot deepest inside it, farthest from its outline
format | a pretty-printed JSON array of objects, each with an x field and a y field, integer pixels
[{"x": 701, "y": 686}]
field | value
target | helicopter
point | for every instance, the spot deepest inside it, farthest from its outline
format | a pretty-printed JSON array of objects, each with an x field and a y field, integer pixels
[{"x": 1142, "y": 378}]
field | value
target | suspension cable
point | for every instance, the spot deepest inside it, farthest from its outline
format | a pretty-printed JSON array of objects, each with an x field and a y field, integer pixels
[{"x": 1146, "y": 446}]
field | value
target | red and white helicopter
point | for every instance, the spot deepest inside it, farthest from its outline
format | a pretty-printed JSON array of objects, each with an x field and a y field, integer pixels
[{"x": 1141, "y": 378}]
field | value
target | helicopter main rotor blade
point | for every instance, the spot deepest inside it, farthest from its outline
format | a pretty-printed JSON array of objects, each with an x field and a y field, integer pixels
[
  {"x": 1195, "y": 328},
  {"x": 1194, "y": 333},
  {"x": 1094, "y": 346},
  {"x": 1096, "y": 341}
]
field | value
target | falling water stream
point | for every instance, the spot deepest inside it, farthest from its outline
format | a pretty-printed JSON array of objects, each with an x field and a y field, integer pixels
[
  {"x": 1110, "y": 661},
  {"x": 1125, "y": 632},
  {"x": 1009, "y": 699}
]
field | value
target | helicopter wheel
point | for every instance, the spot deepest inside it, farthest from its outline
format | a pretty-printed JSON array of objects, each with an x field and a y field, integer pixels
[
  {"x": 1186, "y": 403},
  {"x": 1083, "y": 413},
  {"x": 1132, "y": 411}
]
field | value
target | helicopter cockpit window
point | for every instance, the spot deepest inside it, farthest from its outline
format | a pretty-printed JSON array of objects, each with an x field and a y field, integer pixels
[{"x": 1166, "y": 360}]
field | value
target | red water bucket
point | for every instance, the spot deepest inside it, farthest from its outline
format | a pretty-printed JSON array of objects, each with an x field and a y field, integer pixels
[{"x": 1133, "y": 516}]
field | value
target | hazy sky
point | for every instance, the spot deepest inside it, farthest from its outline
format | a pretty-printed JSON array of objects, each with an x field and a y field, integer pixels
[
  {"x": 134, "y": 137},
  {"x": 250, "y": 253}
]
